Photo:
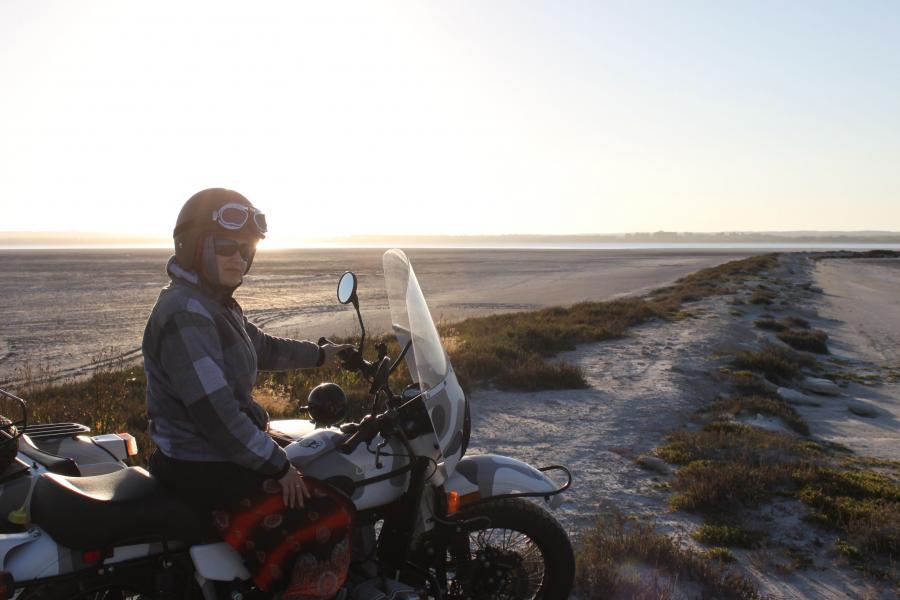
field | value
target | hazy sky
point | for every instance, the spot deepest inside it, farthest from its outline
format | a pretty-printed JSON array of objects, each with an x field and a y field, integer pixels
[{"x": 464, "y": 117}]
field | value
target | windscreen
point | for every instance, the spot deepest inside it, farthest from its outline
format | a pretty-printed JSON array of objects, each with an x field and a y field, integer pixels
[
  {"x": 427, "y": 362},
  {"x": 411, "y": 319}
]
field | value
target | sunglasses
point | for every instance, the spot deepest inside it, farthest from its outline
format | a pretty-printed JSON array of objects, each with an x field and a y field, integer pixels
[
  {"x": 234, "y": 216},
  {"x": 225, "y": 247}
]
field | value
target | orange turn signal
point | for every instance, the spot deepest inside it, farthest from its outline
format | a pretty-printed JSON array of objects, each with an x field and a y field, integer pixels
[
  {"x": 452, "y": 502},
  {"x": 130, "y": 443}
]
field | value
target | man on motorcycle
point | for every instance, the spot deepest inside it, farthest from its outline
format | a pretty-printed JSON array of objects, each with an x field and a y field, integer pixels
[{"x": 201, "y": 357}]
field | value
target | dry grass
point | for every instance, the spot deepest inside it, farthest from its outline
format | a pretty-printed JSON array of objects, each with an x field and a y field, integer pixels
[
  {"x": 764, "y": 404},
  {"x": 728, "y": 466},
  {"x": 762, "y": 297},
  {"x": 798, "y": 322},
  {"x": 725, "y": 534},
  {"x": 863, "y": 504},
  {"x": 809, "y": 341},
  {"x": 776, "y": 364},
  {"x": 510, "y": 350},
  {"x": 110, "y": 401},
  {"x": 604, "y": 558},
  {"x": 770, "y": 325},
  {"x": 748, "y": 383}
]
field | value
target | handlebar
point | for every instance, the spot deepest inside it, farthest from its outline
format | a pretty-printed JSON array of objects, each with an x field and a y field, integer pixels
[
  {"x": 351, "y": 359},
  {"x": 371, "y": 426},
  {"x": 368, "y": 428}
]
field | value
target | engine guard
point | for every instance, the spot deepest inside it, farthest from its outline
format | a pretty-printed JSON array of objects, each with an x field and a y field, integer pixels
[{"x": 486, "y": 476}]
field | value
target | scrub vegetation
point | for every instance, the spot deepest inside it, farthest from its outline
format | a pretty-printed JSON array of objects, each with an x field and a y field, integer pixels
[
  {"x": 629, "y": 559},
  {"x": 772, "y": 405},
  {"x": 512, "y": 350},
  {"x": 777, "y": 364},
  {"x": 727, "y": 469},
  {"x": 810, "y": 341}
]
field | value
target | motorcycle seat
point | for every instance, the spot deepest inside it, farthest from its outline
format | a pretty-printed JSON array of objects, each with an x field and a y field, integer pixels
[{"x": 114, "y": 509}]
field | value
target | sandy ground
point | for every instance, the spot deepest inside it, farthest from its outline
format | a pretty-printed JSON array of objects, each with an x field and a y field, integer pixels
[
  {"x": 859, "y": 309},
  {"x": 862, "y": 297},
  {"x": 649, "y": 384}
]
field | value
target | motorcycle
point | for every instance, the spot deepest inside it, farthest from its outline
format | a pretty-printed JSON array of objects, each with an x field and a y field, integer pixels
[{"x": 430, "y": 521}]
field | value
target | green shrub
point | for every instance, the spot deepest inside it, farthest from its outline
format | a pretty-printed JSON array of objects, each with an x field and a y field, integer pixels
[
  {"x": 721, "y": 534},
  {"x": 798, "y": 322},
  {"x": 777, "y": 364},
  {"x": 769, "y": 405},
  {"x": 863, "y": 504},
  {"x": 721, "y": 554},
  {"x": 614, "y": 543},
  {"x": 762, "y": 297},
  {"x": 810, "y": 341},
  {"x": 770, "y": 325}
]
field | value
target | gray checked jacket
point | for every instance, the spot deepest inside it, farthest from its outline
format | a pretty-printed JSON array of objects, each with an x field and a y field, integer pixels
[{"x": 201, "y": 356}]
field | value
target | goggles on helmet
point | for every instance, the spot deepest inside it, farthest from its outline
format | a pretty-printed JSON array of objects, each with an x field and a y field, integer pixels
[
  {"x": 226, "y": 247},
  {"x": 234, "y": 216}
]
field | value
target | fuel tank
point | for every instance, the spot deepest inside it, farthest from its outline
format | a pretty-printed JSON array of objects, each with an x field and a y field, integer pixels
[{"x": 367, "y": 481}]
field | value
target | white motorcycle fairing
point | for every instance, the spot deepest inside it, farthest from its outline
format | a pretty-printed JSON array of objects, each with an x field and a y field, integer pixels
[{"x": 490, "y": 475}]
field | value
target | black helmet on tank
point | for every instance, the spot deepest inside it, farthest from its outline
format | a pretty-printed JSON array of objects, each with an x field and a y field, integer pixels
[
  {"x": 210, "y": 211},
  {"x": 327, "y": 404}
]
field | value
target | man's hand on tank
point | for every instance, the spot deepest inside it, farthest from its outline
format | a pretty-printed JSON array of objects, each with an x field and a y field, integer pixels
[{"x": 293, "y": 489}]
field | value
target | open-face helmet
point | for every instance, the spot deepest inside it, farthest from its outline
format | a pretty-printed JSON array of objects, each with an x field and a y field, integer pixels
[
  {"x": 208, "y": 212},
  {"x": 327, "y": 404}
]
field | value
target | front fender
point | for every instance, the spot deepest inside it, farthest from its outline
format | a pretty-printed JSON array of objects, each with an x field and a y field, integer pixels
[{"x": 489, "y": 475}]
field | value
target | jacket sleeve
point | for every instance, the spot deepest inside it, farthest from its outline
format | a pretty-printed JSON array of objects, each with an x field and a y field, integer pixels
[
  {"x": 191, "y": 354},
  {"x": 279, "y": 354}
]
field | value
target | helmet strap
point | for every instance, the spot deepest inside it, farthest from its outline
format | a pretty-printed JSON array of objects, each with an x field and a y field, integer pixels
[{"x": 207, "y": 267}]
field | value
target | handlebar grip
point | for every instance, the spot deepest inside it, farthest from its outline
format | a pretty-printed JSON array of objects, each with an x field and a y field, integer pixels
[
  {"x": 344, "y": 354},
  {"x": 350, "y": 444},
  {"x": 368, "y": 429}
]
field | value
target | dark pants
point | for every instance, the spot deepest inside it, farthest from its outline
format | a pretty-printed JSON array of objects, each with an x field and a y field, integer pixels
[
  {"x": 305, "y": 552},
  {"x": 205, "y": 486}
]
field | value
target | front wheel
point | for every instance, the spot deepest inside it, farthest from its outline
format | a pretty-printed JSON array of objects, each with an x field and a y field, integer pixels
[{"x": 511, "y": 549}]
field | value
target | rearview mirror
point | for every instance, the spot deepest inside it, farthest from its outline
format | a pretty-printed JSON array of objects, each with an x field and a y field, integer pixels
[{"x": 346, "y": 290}]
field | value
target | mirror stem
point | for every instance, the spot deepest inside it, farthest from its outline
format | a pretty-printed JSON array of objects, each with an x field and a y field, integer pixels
[{"x": 362, "y": 337}]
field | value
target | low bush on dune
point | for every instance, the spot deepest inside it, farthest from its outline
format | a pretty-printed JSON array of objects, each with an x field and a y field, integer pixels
[
  {"x": 714, "y": 533},
  {"x": 510, "y": 350},
  {"x": 748, "y": 383},
  {"x": 770, "y": 325},
  {"x": 862, "y": 504},
  {"x": 762, "y": 404},
  {"x": 798, "y": 322},
  {"x": 627, "y": 559},
  {"x": 810, "y": 341},
  {"x": 506, "y": 349},
  {"x": 776, "y": 364},
  {"x": 729, "y": 465},
  {"x": 762, "y": 297},
  {"x": 721, "y": 279}
]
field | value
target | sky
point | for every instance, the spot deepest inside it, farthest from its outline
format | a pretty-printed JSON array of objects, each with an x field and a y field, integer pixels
[{"x": 452, "y": 118}]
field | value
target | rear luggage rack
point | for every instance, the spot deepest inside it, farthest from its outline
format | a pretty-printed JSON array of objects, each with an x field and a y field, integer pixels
[{"x": 53, "y": 431}]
